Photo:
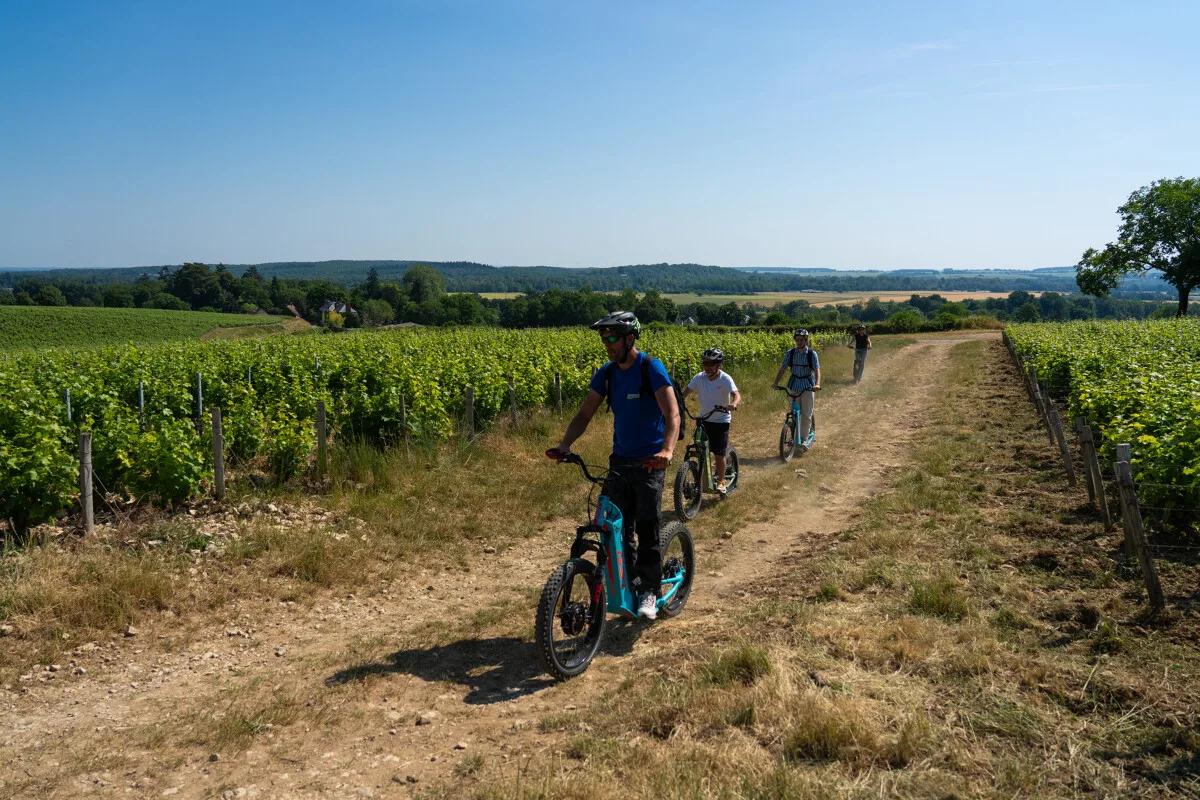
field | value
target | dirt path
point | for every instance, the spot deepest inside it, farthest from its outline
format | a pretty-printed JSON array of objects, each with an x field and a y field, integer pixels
[{"x": 330, "y": 695}]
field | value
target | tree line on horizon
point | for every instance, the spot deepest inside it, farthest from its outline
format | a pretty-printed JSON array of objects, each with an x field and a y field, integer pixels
[
  {"x": 421, "y": 296},
  {"x": 666, "y": 278}
]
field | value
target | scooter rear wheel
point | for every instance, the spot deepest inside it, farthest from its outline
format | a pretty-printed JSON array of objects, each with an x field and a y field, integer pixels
[
  {"x": 731, "y": 470},
  {"x": 679, "y": 561}
]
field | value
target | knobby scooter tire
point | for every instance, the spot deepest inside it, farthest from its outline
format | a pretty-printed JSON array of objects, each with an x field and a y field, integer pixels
[
  {"x": 554, "y": 616},
  {"x": 787, "y": 440},
  {"x": 678, "y": 554},
  {"x": 688, "y": 490},
  {"x": 732, "y": 470}
]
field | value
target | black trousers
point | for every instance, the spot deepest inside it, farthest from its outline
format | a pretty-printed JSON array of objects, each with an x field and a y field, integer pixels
[{"x": 637, "y": 491}]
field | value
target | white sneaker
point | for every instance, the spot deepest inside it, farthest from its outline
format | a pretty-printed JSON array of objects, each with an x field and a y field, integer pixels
[
  {"x": 722, "y": 488},
  {"x": 649, "y": 606}
]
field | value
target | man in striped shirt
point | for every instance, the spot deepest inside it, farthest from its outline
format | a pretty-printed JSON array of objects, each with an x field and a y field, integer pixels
[{"x": 805, "y": 379}]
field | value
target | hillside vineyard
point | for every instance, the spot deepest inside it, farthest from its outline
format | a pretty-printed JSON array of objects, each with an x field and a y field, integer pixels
[
  {"x": 147, "y": 407},
  {"x": 1134, "y": 382}
]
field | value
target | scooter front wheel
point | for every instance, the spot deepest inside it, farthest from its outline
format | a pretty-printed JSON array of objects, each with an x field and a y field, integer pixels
[
  {"x": 787, "y": 440},
  {"x": 688, "y": 490},
  {"x": 569, "y": 624}
]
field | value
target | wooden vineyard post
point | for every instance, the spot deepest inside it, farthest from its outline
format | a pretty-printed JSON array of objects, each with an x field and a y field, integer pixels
[
  {"x": 1064, "y": 451},
  {"x": 469, "y": 421},
  {"x": 218, "y": 454},
  {"x": 1124, "y": 453},
  {"x": 1135, "y": 533},
  {"x": 512, "y": 399},
  {"x": 1087, "y": 468},
  {"x": 558, "y": 392},
  {"x": 1042, "y": 407},
  {"x": 68, "y": 405},
  {"x": 322, "y": 453},
  {"x": 1038, "y": 400},
  {"x": 404, "y": 421},
  {"x": 85, "y": 480},
  {"x": 1093, "y": 461}
]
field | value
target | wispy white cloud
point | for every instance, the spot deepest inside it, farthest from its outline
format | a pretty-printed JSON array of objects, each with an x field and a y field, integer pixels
[
  {"x": 921, "y": 47},
  {"x": 1090, "y": 87},
  {"x": 1023, "y": 62}
]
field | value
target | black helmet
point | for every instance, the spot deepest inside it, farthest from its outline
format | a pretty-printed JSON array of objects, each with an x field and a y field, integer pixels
[
  {"x": 800, "y": 332},
  {"x": 713, "y": 354},
  {"x": 623, "y": 321},
  {"x": 862, "y": 327}
]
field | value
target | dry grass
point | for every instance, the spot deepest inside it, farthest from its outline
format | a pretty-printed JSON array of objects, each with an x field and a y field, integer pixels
[
  {"x": 380, "y": 514},
  {"x": 958, "y": 659},
  {"x": 970, "y": 635}
]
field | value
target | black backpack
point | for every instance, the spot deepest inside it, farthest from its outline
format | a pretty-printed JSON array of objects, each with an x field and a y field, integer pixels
[{"x": 646, "y": 390}]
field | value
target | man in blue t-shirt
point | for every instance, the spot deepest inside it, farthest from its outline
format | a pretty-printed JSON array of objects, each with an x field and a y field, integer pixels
[{"x": 645, "y": 429}]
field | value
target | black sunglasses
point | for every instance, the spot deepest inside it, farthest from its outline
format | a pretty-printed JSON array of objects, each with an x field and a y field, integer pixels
[{"x": 612, "y": 338}]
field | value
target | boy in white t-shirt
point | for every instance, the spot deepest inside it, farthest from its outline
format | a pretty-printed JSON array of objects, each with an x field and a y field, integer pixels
[{"x": 714, "y": 387}]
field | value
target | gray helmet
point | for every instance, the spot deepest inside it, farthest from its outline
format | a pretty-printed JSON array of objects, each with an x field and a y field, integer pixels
[
  {"x": 623, "y": 321},
  {"x": 800, "y": 332},
  {"x": 713, "y": 354}
]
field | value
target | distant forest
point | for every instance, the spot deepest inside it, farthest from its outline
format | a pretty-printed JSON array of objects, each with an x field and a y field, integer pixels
[
  {"x": 462, "y": 276},
  {"x": 420, "y": 296}
]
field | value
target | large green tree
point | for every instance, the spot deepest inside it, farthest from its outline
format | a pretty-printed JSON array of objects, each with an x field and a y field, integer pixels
[
  {"x": 1160, "y": 230},
  {"x": 423, "y": 284},
  {"x": 378, "y": 312}
]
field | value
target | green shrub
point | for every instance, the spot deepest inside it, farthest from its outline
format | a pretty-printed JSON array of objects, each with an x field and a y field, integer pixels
[
  {"x": 37, "y": 472},
  {"x": 938, "y": 598},
  {"x": 744, "y": 663}
]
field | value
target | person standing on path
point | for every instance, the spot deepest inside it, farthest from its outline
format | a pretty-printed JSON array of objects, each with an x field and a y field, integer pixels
[
  {"x": 805, "y": 379},
  {"x": 862, "y": 343},
  {"x": 715, "y": 387},
  {"x": 645, "y": 430}
]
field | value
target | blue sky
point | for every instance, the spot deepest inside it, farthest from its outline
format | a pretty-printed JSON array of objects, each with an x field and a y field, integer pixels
[{"x": 840, "y": 134}]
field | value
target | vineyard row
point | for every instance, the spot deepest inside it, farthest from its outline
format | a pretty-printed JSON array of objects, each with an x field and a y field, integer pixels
[
  {"x": 1134, "y": 382},
  {"x": 144, "y": 406}
]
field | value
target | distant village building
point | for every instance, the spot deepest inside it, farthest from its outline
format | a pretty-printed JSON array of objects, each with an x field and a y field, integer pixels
[{"x": 332, "y": 305}]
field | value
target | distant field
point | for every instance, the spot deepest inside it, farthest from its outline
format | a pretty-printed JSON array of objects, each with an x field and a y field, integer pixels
[
  {"x": 816, "y": 298},
  {"x": 30, "y": 327},
  {"x": 825, "y": 298}
]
